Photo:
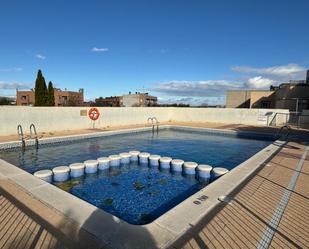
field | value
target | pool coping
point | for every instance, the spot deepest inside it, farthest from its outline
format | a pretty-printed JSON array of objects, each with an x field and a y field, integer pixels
[
  {"x": 160, "y": 233},
  {"x": 71, "y": 138}
]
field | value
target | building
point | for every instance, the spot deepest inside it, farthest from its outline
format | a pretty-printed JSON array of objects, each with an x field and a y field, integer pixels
[
  {"x": 293, "y": 96},
  {"x": 250, "y": 99},
  {"x": 139, "y": 99},
  {"x": 128, "y": 100},
  {"x": 25, "y": 97},
  {"x": 112, "y": 101},
  {"x": 62, "y": 98}
]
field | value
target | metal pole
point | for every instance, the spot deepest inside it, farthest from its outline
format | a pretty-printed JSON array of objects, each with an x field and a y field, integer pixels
[{"x": 296, "y": 105}]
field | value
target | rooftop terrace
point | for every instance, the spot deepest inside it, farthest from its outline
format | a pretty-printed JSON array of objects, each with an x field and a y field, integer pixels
[{"x": 268, "y": 210}]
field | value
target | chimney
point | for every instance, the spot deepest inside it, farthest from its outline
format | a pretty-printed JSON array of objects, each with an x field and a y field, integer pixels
[{"x": 307, "y": 78}]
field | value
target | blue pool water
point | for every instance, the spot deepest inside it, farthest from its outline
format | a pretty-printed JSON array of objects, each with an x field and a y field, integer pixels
[{"x": 135, "y": 193}]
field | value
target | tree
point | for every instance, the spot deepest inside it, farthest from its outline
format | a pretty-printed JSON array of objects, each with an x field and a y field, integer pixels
[
  {"x": 50, "y": 95},
  {"x": 40, "y": 90},
  {"x": 5, "y": 101}
]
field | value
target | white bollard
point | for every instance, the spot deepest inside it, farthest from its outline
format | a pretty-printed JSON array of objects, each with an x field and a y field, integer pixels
[
  {"x": 77, "y": 169},
  {"x": 125, "y": 158},
  {"x": 61, "y": 173},
  {"x": 91, "y": 166},
  {"x": 103, "y": 163},
  {"x": 114, "y": 160},
  {"x": 45, "y": 175},
  {"x": 134, "y": 155},
  {"x": 218, "y": 171},
  {"x": 143, "y": 157},
  {"x": 165, "y": 162},
  {"x": 189, "y": 168},
  {"x": 176, "y": 165},
  {"x": 204, "y": 172},
  {"x": 154, "y": 160}
]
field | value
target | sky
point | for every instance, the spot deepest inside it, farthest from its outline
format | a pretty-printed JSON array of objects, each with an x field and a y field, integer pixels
[{"x": 189, "y": 51}]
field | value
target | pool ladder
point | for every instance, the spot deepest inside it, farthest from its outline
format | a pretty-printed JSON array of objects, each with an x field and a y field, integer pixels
[
  {"x": 280, "y": 132},
  {"x": 21, "y": 136},
  {"x": 33, "y": 135},
  {"x": 154, "y": 122}
]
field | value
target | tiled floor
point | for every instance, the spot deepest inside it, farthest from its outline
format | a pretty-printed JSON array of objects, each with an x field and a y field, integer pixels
[
  {"x": 242, "y": 222},
  {"x": 27, "y": 223},
  {"x": 22, "y": 230},
  {"x": 19, "y": 230}
]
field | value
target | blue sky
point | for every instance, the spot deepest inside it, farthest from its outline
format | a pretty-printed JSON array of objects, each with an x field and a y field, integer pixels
[{"x": 182, "y": 51}]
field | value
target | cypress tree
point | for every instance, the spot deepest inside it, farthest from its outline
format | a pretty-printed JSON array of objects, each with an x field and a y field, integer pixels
[
  {"x": 50, "y": 94},
  {"x": 40, "y": 90},
  {"x": 45, "y": 98}
]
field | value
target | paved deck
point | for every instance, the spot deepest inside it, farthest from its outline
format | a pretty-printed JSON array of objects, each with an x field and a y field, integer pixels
[
  {"x": 235, "y": 127},
  {"x": 268, "y": 211},
  {"x": 27, "y": 223},
  {"x": 256, "y": 216},
  {"x": 104, "y": 129}
]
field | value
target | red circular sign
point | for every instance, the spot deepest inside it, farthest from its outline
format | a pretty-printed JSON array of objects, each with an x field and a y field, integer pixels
[{"x": 93, "y": 113}]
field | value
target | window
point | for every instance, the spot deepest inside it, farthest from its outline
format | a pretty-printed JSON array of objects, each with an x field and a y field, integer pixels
[
  {"x": 24, "y": 97},
  {"x": 265, "y": 104},
  {"x": 302, "y": 104}
]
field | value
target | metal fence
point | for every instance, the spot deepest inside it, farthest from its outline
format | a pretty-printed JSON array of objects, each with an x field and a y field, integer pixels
[{"x": 294, "y": 119}]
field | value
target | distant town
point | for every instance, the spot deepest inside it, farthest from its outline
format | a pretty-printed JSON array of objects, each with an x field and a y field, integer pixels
[{"x": 293, "y": 95}]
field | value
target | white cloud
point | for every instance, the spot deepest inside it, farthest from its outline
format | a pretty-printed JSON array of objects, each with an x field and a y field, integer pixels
[
  {"x": 99, "y": 50},
  {"x": 214, "y": 91},
  {"x": 193, "y": 101},
  {"x": 204, "y": 92},
  {"x": 14, "y": 85},
  {"x": 11, "y": 69},
  {"x": 281, "y": 71},
  {"x": 203, "y": 88},
  {"x": 40, "y": 56},
  {"x": 259, "y": 82}
]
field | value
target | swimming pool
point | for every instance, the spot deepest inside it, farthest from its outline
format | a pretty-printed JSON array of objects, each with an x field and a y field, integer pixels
[{"x": 134, "y": 193}]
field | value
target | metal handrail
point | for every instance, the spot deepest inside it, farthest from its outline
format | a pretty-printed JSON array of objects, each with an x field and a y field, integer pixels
[
  {"x": 21, "y": 136},
  {"x": 153, "y": 119},
  {"x": 32, "y": 127},
  {"x": 278, "y": 134},
  {"x": 274, "y": 117}
]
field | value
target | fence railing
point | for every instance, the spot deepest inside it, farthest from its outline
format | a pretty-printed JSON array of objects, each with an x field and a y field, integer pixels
[{"x": 294, "y": 119}]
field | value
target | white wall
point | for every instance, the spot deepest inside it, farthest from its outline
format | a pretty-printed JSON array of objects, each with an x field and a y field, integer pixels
[
  {"x": 68, "y": 118},
  {"x": 225, "y": 115}
]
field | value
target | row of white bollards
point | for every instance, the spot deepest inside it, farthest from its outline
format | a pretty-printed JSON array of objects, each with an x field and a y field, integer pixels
[{"x": 63, "y": 173}]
